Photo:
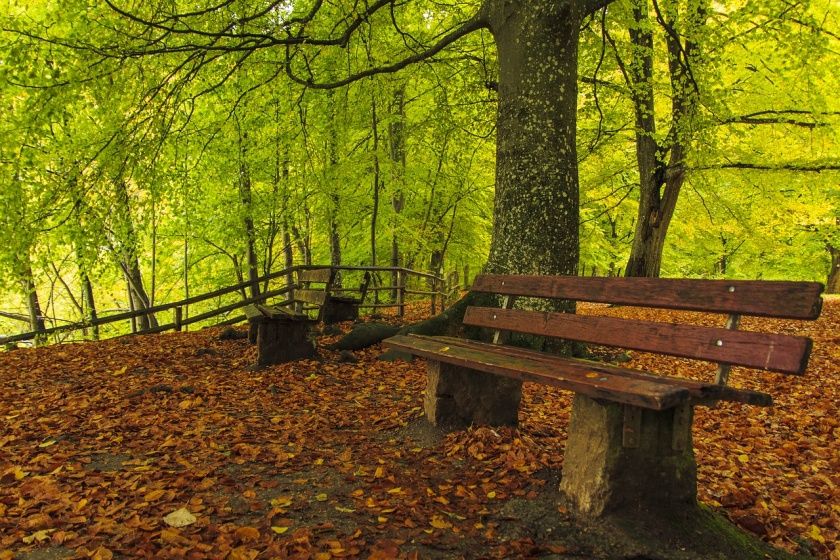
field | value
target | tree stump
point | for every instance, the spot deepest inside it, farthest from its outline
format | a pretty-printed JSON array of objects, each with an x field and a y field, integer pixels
[
  {"x": 625, "y": 459},
  {"x": 282, "y": 336},
  {"x": 340, "y": 308},
  {"x": 457, "y": 397}
]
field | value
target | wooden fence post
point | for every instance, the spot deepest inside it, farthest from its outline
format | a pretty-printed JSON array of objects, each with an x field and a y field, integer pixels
[
  {"x": 179, "y": 317},
  {"x": 400, "y": 293}
]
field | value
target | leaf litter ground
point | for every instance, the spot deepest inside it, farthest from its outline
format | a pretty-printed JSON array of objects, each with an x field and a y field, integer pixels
[{"x": 329, "y": 459}]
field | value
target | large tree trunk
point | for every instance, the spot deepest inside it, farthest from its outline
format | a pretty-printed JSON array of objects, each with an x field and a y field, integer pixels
[{"x": 535, "y": 228}]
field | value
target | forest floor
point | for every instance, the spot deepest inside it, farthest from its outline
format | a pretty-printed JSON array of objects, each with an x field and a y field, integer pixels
[{"x": 324, "y": 459}]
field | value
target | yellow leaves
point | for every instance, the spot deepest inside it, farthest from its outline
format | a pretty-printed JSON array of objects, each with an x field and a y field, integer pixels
[
  {"x": 814, "y": 533},
  {"x": 102, "y": 553},
  {"x": 380, "y": 472},
  {"x": 744, "y": 458},
  {"x": 321, "y": 497},
  {"x": 491, "y": 494},
  {"x": 396, "y": 490},
  {"x": 344, "y": 509},
  {"x": 439, "y": 523},
  {"x": 281, "y": 501},
  {"x": 37, "y": 536},
  {"x": 279, "y": 530},
  {"x": 180, "y": 518},
  {"x": 187, "y": 404},
  {"x": 119, "y": 372},
  {"x": 173, "y": 536},
  {"x": 47, "y": 443},
  {"x": 242, "y": 553},
  {"x": 14, "y": 473},
  {"x": 154, "y": 495},
  {"x": 7, "y": 555}
]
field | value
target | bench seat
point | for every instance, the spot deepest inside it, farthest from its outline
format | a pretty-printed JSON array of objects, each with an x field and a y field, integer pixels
[{"x": 594, "y": 379}]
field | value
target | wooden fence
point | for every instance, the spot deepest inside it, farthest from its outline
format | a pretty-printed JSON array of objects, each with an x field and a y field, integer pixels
[{"x": 405, "y": 284}]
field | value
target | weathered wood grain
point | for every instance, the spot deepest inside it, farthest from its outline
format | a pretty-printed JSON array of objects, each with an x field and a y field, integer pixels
[
  {"x": 790, "y": 300},
  {"x": 701, "y": 393},
  {"x": 773, "y": 352},
  {"x": 589, "y": 378}
]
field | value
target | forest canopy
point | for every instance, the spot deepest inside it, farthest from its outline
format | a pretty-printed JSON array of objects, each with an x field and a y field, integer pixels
[{"x": 151, "y": 150}]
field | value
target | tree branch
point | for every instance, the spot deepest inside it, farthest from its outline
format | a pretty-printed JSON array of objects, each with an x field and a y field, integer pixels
[
  {"x": 474, "y": 24},
  {"x": 797, "y": 167}
]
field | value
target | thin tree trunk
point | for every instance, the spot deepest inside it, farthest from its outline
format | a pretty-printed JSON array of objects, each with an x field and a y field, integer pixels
[
  {"x": 376, "y": 182},
  {"x": 334, "y": 200},
  {"x": 832, "y": 284},
  {"x": 89, "y": 303},
  {"x": 36, "y": 316},
  {"x": 129, "y": 261},
  {"x": 660, "y": 181},
  {"x": 396, "y": 134},
  {"x": 245, "y": 198}
]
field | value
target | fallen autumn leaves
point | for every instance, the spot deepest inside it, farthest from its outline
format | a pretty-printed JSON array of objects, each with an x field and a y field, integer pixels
[{"x": 102, "y": 441}]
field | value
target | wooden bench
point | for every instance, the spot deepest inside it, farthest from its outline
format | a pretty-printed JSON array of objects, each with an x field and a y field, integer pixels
[
  {"x": 630, "y": 432},
  {"x": 317, "y": 291},
  {"x": 280, "y": 335}
]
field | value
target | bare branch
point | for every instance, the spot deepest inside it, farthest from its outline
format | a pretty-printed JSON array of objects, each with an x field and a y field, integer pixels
[
  {"x": 796, "y": 167},
  {"x": 474, "y": 24}
]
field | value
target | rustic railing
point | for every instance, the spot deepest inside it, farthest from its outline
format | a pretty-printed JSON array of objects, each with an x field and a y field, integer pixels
[{"x": 436, "y": 289}]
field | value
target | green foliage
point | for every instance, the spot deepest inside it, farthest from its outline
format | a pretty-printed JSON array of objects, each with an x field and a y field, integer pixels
[{"x": 110, "y": 151}]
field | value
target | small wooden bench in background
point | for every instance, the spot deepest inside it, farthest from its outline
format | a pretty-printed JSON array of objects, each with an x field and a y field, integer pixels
[
  {"x": 630, "y": 441},
  {"x": 317, "y": 291},
  {"x": 280, "y": 335}
]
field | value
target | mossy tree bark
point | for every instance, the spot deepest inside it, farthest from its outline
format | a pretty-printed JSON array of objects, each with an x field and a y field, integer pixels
[{"x": 535, "y": 226}]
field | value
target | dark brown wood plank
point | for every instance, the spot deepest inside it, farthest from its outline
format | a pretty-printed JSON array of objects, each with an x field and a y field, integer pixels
[
  {"x": 772, "y": 352},
  {"x": 318, "y": 275},
  {"x": 317, "y": 297},
  {"x": 577, "y": 376},
  {"x": 765, "y": 298},
  {"x": 700, "y": 392}
]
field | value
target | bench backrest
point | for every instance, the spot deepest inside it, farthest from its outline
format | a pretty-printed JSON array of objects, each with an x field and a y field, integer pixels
[
  {"x": 314, "y": 286},
  {"x": 774, "y": 352}
]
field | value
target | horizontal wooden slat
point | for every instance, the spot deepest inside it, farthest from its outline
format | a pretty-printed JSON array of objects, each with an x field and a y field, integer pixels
[
  {"x": 699, "y": 390},
  {"x": 311, "y": 296},
  {"x": 765, "y": 298},
  {"x": 773, "y": 352},
  {"x": 252, "y": 312},
  {"x": 589, "y": 378},
  {"x": 319, "y": 275}
]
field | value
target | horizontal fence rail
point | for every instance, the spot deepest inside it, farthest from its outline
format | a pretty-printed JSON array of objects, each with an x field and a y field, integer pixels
[{"x": 437, "y": 289}]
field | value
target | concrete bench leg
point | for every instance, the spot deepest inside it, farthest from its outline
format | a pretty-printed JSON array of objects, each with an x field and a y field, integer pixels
[
  {"x": 457, "y": 397},
  {"x": 602, "y": 474},
  {"x": 283, "y": 340},
  {"x": 338, "y": 309}
]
